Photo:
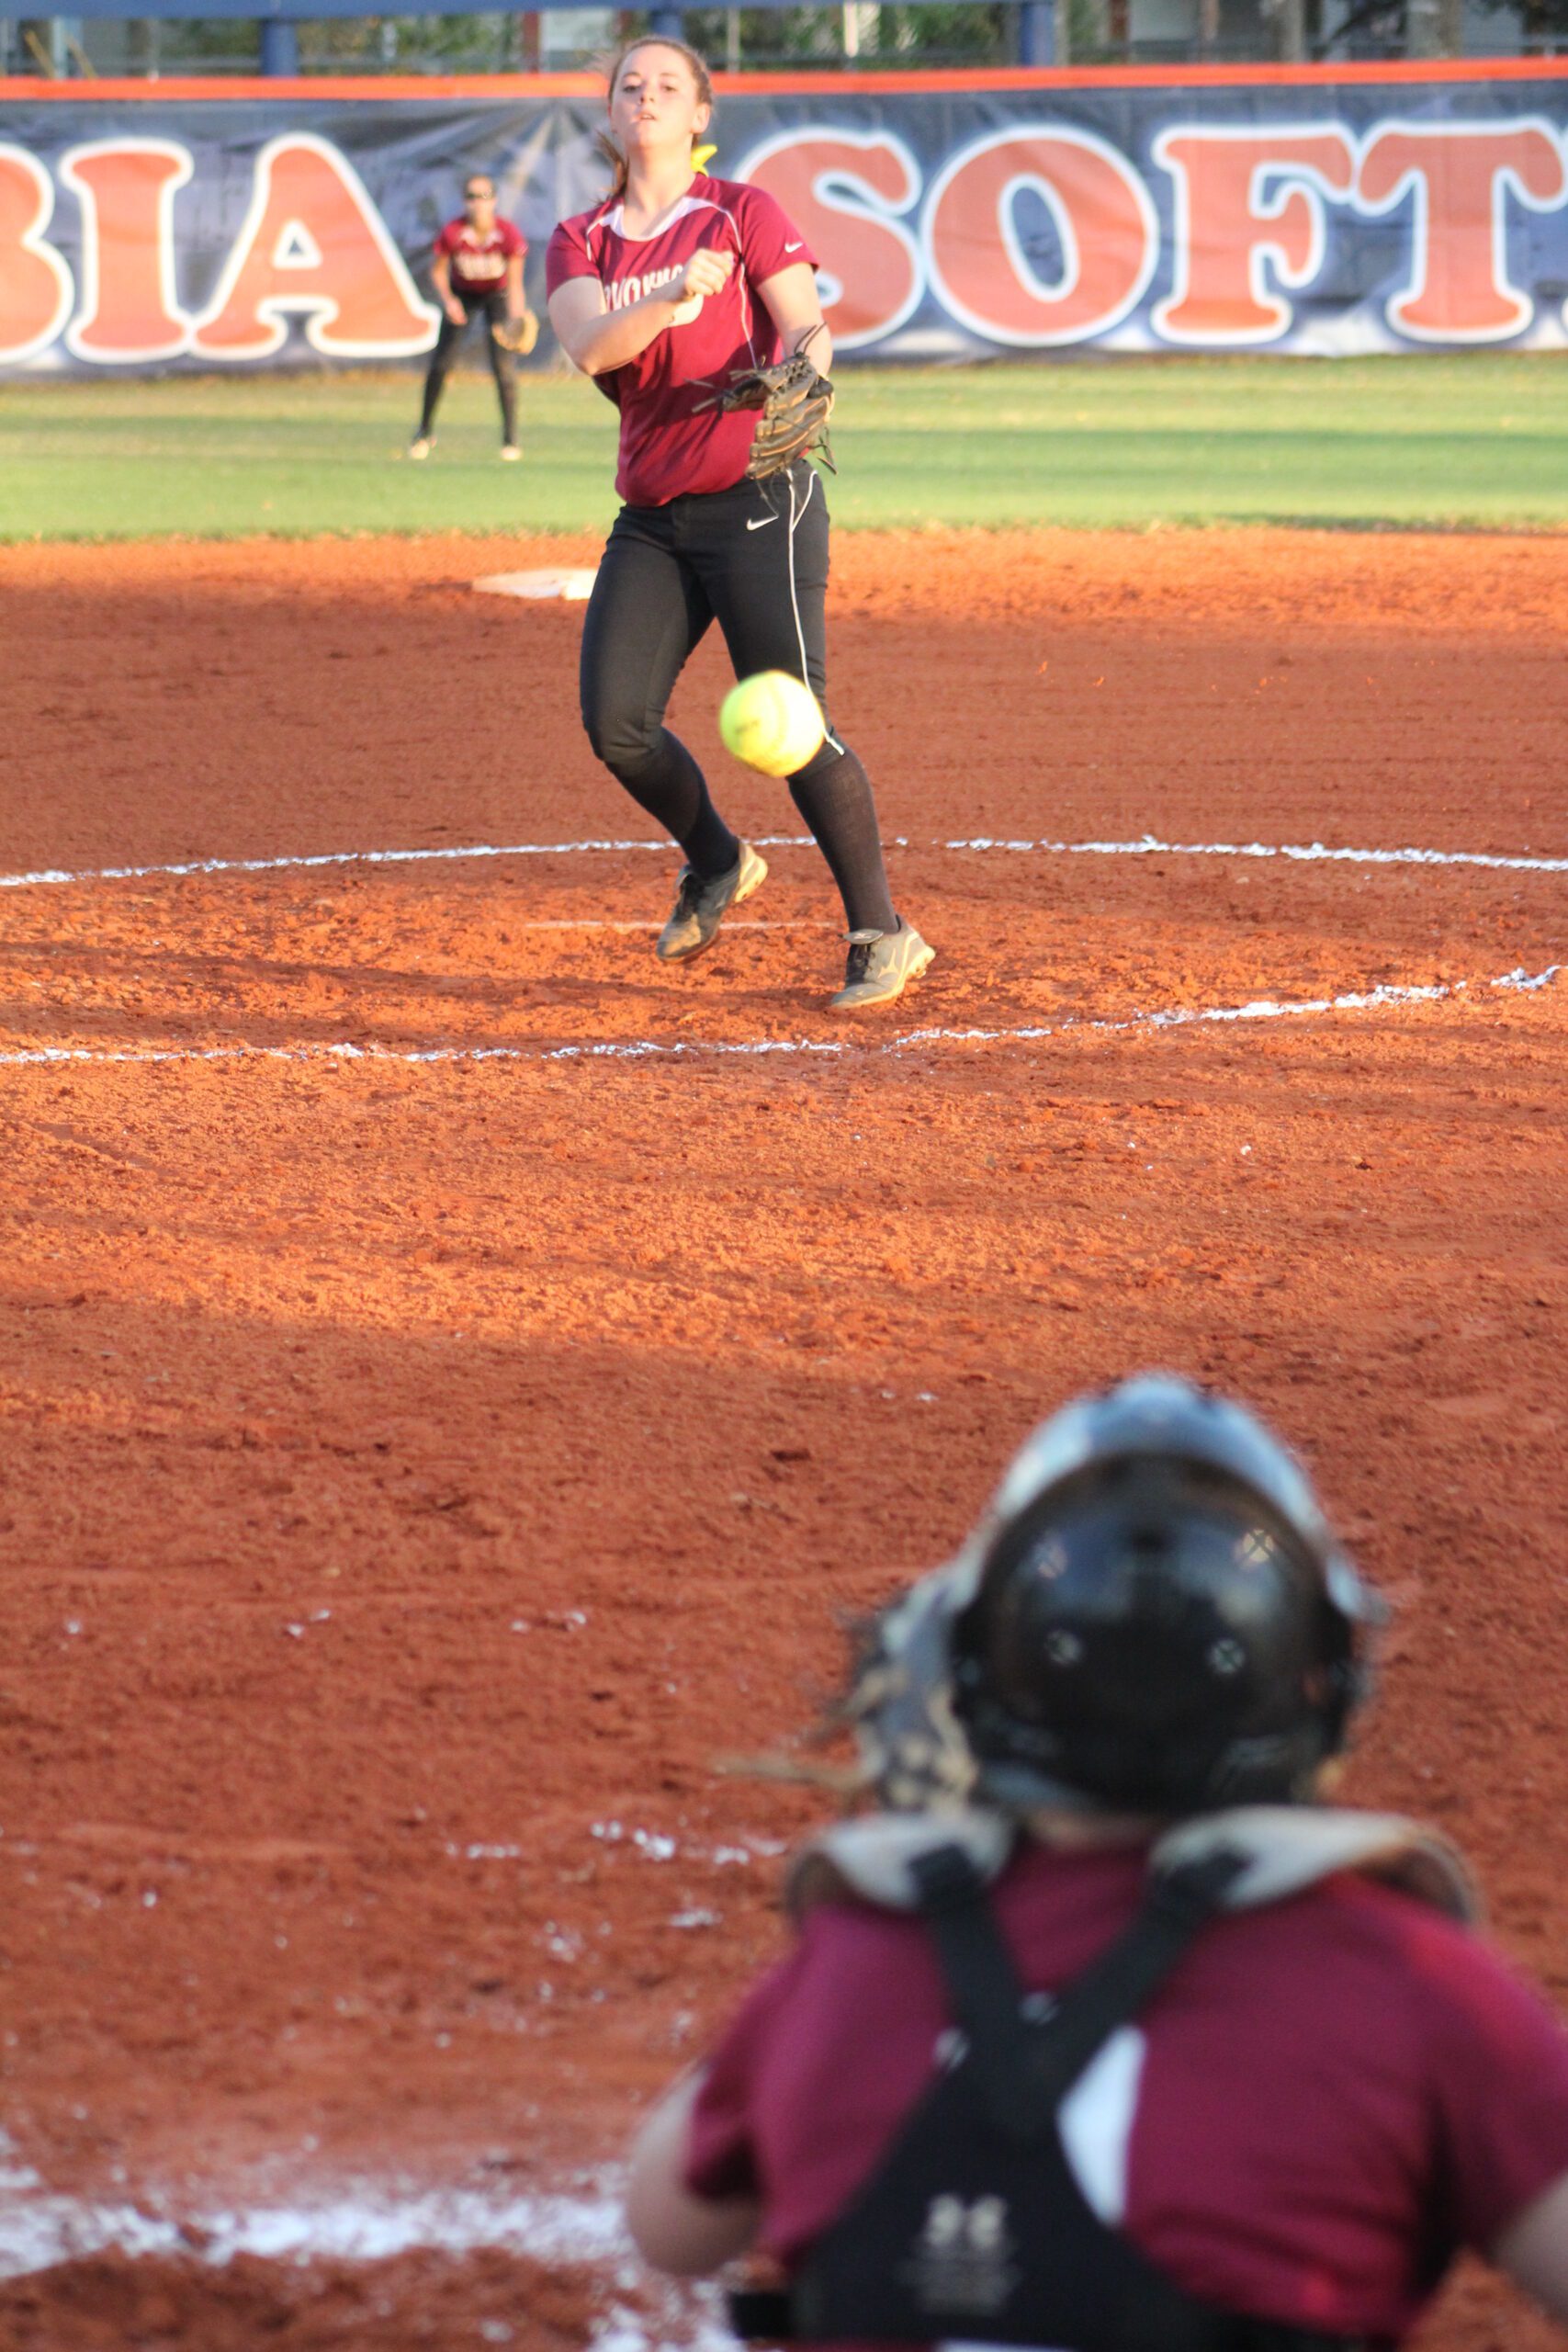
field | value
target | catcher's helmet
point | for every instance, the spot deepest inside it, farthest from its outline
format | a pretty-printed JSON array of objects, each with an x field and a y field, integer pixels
[{"x": 1160, "y": 1618}]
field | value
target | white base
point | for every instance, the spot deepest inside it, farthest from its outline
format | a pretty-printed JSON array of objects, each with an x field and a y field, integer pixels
[{"x": 574, "y": 587}]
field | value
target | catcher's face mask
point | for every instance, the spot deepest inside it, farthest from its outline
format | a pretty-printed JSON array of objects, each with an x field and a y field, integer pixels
[{"x": 1152, "y": 1614}]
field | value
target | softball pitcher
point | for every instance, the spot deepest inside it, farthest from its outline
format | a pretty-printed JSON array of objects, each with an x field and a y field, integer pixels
[{"x": 662, "y": 293}]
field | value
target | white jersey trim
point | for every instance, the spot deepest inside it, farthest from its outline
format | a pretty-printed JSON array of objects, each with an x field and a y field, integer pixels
[{"x": 615, "y": 220}]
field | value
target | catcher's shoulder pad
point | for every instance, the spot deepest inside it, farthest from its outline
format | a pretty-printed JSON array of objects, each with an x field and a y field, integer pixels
[
  {"x": 1288, "y": 1848},
  {"x": 871, "y": 1858},
  {"x": 1284, "y": 1849}
]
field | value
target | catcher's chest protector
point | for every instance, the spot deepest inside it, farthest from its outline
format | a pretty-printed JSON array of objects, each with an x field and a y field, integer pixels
[{"x": 974, "y": 2227}]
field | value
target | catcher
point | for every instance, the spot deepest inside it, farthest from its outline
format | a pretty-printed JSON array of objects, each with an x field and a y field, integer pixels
[
  {"x": 476, "y": 271},
  {"x": 692, "y": 303},
  {"x": 1105, "y": 2031}
]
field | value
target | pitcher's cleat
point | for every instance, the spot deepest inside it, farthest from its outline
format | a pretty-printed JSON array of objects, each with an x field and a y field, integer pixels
[
  {"x": 881, "y": 966},
  {"x": 420, "y": 446},
  {"x": 509, "y": 453},
  {"x": 700, "y": 907}
]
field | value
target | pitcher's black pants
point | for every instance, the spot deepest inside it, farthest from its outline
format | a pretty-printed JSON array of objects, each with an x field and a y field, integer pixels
[
  {"x": 491, "y": 307},
  {"x": 755, "y": 559}
]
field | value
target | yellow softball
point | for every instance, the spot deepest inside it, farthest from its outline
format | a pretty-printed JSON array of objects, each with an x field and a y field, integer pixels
[{"x": 772, "y": 722}]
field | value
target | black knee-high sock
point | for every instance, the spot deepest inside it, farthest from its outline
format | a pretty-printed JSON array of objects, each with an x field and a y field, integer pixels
[
  {"x": 837, "y": 803},
  {"x": 434, "y": 384},
  {"x": 441, "y": 359},
  {"x": 504, "y": 368},
  {"x": 668, "y": 782}
]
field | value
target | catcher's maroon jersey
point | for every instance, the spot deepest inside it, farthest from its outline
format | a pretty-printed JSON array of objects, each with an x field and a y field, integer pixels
[
  {"x": 669, "y": 445},
  {"x": 478, "y": 263},
  {"x": 1327, "y": 2099}
]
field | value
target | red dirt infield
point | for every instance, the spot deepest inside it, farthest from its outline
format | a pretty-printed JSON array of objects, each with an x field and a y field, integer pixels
[{"x": 422, "y": 1463}]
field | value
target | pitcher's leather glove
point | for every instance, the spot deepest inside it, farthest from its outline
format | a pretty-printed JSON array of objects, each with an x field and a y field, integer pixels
[{"x": 795, "y": 403}]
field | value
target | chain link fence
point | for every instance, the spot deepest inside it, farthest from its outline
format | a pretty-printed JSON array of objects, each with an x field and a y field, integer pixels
[{"x": 868, "y": 34}]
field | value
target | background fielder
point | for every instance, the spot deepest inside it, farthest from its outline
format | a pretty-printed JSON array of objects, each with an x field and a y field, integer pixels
[{"x": 476, "y": 271}]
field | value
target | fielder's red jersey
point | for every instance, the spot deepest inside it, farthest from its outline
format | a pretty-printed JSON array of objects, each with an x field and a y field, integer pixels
[
  {"x": 667, "y": 448},
  {"x": 1326, "y": 2100},
  {"x": 478, "y": 263}
]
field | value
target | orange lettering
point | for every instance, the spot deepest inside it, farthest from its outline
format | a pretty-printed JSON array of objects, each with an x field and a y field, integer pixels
[
  {"x": 1104, "y": 224},
  {"x": 1243, "y": 198},
  {"x": 313, "y": 246},
  {"x": 126, "y": 189},
  {"x": 1460, "y": 172},
  {"x": 844, "y": 190},
  {"x": 35, "y": 287}
]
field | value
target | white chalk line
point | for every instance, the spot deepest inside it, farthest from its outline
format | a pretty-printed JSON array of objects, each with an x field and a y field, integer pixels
[
  {"x": 369, "y": 2221},
  {"x": 359, "y": 2222},
  {"x": 601, "y": 922},
  {"x": 1148, "y": 846},
  {"x": 688, "y": 1049}
]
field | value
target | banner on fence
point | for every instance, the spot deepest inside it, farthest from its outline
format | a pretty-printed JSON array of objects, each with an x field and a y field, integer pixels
[{"x": 1295, "y": 216}]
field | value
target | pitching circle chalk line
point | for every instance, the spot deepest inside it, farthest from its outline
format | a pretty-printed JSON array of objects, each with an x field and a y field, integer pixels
[
  {"x": 1148, "y": 846},
  {"x": 690, "y": 1050}
]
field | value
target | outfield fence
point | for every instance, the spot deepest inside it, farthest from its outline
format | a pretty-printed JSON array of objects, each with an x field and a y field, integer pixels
[{"x": 147, "y": 227}]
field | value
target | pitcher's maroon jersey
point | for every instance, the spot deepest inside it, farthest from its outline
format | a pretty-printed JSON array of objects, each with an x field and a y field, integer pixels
[{"x": 668, "y": 447}]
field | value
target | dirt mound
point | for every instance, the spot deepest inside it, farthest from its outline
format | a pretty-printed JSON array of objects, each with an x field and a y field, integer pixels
[{"x": 457, "y": 1376}]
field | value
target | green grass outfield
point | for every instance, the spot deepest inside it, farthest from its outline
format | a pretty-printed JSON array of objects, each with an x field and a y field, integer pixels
[{"x": 1476, "y": 442}]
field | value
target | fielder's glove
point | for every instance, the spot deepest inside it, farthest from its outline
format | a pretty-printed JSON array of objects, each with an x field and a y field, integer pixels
[
  {"x": 519, "y": 335},
  {"x": 795, "y": 403}
]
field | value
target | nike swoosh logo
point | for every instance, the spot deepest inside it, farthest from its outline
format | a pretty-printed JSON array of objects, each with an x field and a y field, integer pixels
[
  {"x": 796, "y": 247},
  {"x": 763, "y": 523}
]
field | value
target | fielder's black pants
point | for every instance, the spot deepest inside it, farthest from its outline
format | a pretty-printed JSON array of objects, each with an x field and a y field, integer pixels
[
  {"x": 755, "y": 559},
  {"x": 502, "y": 365}
]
